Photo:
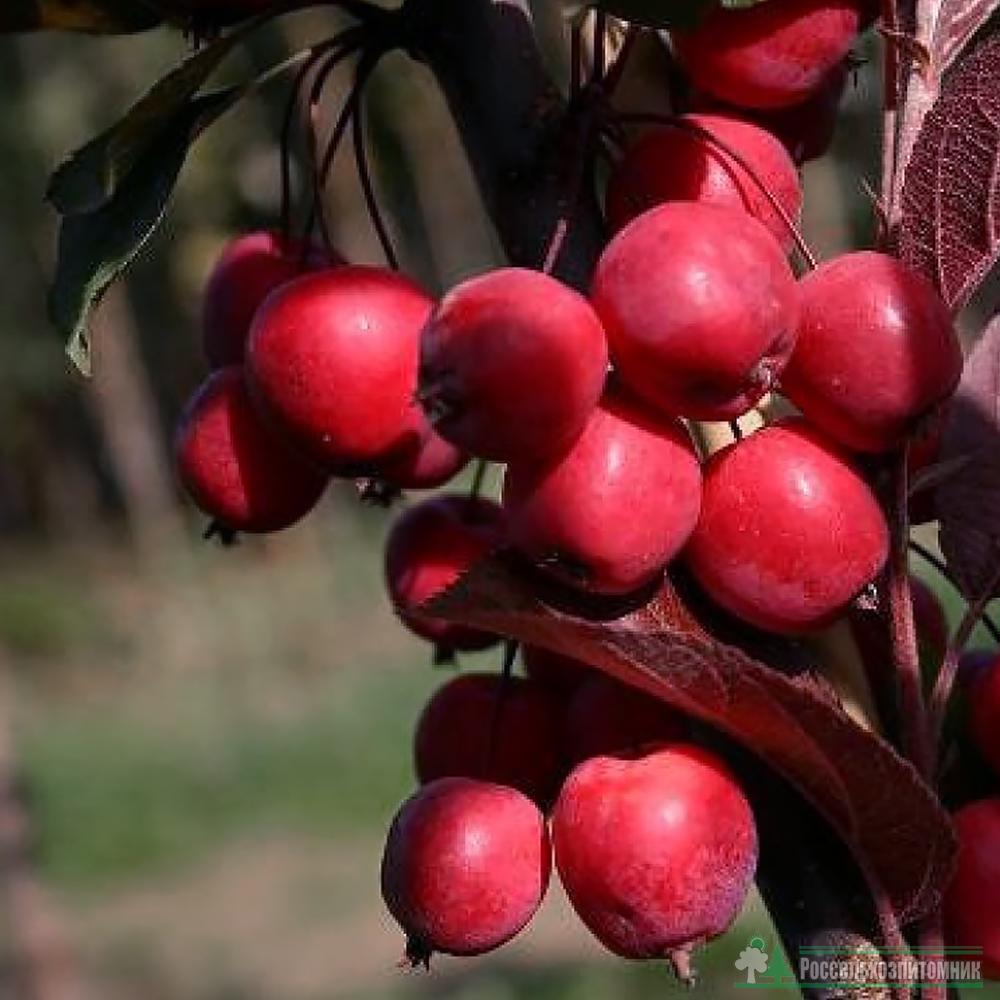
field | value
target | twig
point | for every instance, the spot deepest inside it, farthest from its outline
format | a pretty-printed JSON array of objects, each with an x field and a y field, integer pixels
[
  {"x": 945, "y": 682},
  {"x": 650, "y": 118},
  {"x": 617, "y": 70},
  {"x": 905, "y": 650}
]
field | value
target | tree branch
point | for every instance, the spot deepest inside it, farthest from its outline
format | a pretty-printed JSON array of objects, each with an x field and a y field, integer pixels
[{"x": 513, "y": 121}]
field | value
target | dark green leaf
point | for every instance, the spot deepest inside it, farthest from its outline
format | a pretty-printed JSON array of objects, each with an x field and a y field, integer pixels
[
  {"x": 94, "y": 16},
  {"x": 92, "y": 174},
  {"x": 95, "y": 247}
]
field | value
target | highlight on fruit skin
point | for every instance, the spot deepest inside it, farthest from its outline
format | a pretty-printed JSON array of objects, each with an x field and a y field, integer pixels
[{"x": 466, "y": 865}]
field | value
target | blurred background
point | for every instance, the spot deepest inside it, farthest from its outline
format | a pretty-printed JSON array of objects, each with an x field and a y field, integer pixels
[{"x": 211, "y": 742}]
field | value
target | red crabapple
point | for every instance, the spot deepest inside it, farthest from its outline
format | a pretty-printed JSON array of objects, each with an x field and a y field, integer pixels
[
  {"x": 700, "y": 308},
  {"x": 656, "y": 852},
  {"x": 606, "y": 717},
  {"x": 984, "y": 712},
  {"x": 248, "y": 270},
  {"x": 511, "y": 365},
  {"x": 675, "y": 164},
  {"x": 972, "y": 914},
  {"x": 806, "y": 130},
  {"x": 426, "y": 464},
  {"x": 234, "y": 467},
  {"x": 608, "y": 515},
  {"x": 772, "y": 55},
  {"x": 430, "y": 546},
  {"x": 789, "y": 532},
  {"x": 554, "y": 672},
  {"x": 455, "y": 736},
  {"x": 465, "y": 867},
  {"x": 876, "y": 351},
  {"x": 332, "y": 362}
]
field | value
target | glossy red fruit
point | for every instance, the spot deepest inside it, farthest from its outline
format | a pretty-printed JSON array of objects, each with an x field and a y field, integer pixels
[
  {"x": 772, "y": 55},
  {"x": 511, "y": 365},
  {"x": 675, "y": 164},
  {"x": 234, "y": 467},
  {"x": 806, "y": 130},
  {"x": 455, "y": 736},
  {"x": 426, "y": 464},
  {"x": 930, "y": 619},
  {"x": 248, "y": 270},
  {"x": 465, "y": 867},
  {"x": 972, "y": 916},
  {"x": 561, "y": 675},
  {"x": 610, "y": 513},
  {"x": 656, "y": 853},
  {"x": 700, "y": 308},
  {"x": 984, "y": 712},
  {"x": 876, "y": 351},
  {"x": 332, "y": 362},
  {"x": 789, "y": 532},
  {"x": 606, "y": 717},
  {"x": 430, "y": 546}
]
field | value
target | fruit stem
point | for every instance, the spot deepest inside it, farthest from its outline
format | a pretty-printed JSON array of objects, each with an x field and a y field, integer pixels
[
  {"x": 650, "y": 118},
  {"x": 939, "y": 564},
  {"x": 680, "y": 960},
  {"x": 945, "y": 683},
  {"x": 506, "y": 674},
  {"x": 368, "y": 187}
]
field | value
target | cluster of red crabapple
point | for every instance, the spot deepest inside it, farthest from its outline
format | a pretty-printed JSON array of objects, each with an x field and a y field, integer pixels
[{"x": 327, "y": 369}]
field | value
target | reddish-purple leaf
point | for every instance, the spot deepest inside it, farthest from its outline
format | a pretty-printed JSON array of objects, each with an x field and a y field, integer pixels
[
  {"x": 956, "y": 23},
  {"x": 874, "y": 799},
  {"x": 968, "y": 503},
  {"x": 950, "y": 226}
]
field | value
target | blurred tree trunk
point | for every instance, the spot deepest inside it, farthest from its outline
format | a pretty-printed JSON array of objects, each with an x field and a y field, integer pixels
[
  {"x": 123, "y": 405},
  {"x": 36, "y": 959}
]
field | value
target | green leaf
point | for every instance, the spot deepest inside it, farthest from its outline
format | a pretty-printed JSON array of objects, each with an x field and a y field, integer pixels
[
  {"x": 95, "y": 247},
  {"x": 91, "y": 175},
  {"x": 93, "y": 16}
]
